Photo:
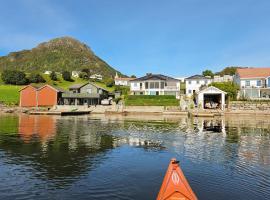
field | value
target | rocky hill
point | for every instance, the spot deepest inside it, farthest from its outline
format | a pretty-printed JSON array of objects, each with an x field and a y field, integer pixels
[{"x": 58, "y": 54}]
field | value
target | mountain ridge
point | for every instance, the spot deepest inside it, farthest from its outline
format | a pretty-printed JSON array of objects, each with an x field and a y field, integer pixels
[{"x": 58, "y": 54}]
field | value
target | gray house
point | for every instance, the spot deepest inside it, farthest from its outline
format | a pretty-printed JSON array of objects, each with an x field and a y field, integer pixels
[{"x": 84, "y": 94}]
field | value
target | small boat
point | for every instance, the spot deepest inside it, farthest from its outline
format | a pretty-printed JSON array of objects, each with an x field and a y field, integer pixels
[{"x": 175, "y": 186}]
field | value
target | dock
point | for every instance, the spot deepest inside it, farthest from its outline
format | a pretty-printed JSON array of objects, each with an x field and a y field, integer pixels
[{"x": 62, "y": 113}]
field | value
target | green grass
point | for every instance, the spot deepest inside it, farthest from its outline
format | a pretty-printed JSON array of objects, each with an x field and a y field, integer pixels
[
  {"x": 148, "y": 100},
  {"x": 9, "y": 94}
]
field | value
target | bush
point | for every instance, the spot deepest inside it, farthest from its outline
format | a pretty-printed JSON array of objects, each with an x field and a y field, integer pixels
[
  {"x": 229, "y": 87},
  {"x": 84, "y": 75},
  {"x": 66, "y": 75},
  {"x": 123, "y": 89},
  {"x": 53, "y": 76},
  {"x": 36, "y": 78},
  {"x": 14, "y": 77},
  {"x": 109, "y": 82}
]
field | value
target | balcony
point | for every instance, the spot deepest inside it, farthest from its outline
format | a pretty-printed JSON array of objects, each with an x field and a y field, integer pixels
[{"x": 80, "y": 95}]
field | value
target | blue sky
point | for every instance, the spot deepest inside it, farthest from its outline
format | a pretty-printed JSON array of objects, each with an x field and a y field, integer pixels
[{"x": 173, "y": 37}]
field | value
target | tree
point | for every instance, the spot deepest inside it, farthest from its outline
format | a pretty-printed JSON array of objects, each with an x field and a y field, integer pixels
[
  {"x": 109, "y": 82},
  {"x": 36, "y": 78},
  {"x": 66, "y": 76},
  {"x": 14, "y": 77},
  {"x": 228, "y": 71},
  {"x": 207, "y": 73},
  {"x": 229, "y": 87},
  {"x": 83, "y": 75},
  {"x": 53, "y": 76},
  {"x": 133, "y": 76}
]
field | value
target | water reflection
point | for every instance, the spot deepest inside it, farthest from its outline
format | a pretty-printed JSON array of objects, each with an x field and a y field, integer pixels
[{"x": 62, "y": 152}]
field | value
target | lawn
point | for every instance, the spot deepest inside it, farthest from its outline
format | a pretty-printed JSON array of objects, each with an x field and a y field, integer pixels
[
  {"x": 9, "y": 94},
  {"x": 148, "y": 100}
]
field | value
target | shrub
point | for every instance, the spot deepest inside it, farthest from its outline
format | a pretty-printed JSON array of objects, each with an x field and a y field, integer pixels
[
  {"x": 36, "y": 78},
  {"x": 66, "y": 75},
  {"x": 229, "y": 87},
  {"x": 109, "y": 82},
  {"x": 53, "y": 76},
  {"x": 14, "y": 77}
]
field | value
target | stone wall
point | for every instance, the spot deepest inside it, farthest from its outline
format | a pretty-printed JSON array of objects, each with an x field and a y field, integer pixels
[{"x": 250, "y": 105}]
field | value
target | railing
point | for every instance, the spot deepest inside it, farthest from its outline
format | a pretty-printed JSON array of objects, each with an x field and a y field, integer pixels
[{"x": 79, "y": 95}]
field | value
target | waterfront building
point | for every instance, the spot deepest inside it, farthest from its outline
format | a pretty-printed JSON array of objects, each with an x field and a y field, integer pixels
[
  {"x": 46, "y": 95},
  {"x": 195, "y": 83},
  {"x": 84, "y": 94},
  {"x": 211, "y": 98},
  {"x": 254, "y": 83},
  {"x": 155, "y": 84}
]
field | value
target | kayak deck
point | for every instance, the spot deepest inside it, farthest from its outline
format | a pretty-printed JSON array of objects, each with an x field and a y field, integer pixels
[{"x": 175, "y": 186}]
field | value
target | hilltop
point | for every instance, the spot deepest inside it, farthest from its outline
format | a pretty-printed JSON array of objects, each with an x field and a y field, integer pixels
[{"x": 58, "y": 54}]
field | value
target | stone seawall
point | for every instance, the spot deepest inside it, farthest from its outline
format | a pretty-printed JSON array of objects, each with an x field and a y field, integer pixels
[{"x": 249, "y": 105}]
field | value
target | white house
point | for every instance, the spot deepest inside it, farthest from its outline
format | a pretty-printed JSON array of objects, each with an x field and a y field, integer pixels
[
  {"x": 225, "y": 78},
  {"x": 155, "y": 84},
  {"x": 96, "y": 76},
  {"x": 75, "y": 74},
  {"x": 123, "y": 81},
  {"x": 211, "y": 98},
  {"x": 254, "y": 82},
  {"x": 194, "y": 84}
]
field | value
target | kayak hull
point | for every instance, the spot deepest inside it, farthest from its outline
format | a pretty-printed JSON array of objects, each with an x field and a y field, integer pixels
[{"x": 175, "y": 185}]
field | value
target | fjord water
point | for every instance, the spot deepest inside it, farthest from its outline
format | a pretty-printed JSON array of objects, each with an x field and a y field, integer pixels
[{"x": 115, "y": 157}]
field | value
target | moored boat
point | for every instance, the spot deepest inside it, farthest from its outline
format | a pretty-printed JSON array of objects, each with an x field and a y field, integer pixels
[{"x": 175, "y": 186}]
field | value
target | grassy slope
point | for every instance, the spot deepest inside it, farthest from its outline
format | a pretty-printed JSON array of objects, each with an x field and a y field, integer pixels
[
  {"x": 135, "y": 100},
  {"x": 9, "y": 94}
]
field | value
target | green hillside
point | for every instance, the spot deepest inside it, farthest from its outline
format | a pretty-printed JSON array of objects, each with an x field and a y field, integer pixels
[{"x": 58, "y": 54}]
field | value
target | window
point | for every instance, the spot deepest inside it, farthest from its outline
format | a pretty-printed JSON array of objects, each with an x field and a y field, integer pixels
[
  {"x": 198, "y": 82},
  {"x": 162, "y": 85},
  {"x": 135, "y": 84},
  {"x": 189, "y": 82},
  {"x": 89, "y": 90},
  {"x": 247, "y": 83},
  {"x": 156, "y": 85},
  {"x": 259, "y": 83},
  {"x": 152, "y": 85},
  {"x": 189, "y": 91},
  {"x": 205, "y": 82},
  {"x": 146, "y": 85}
]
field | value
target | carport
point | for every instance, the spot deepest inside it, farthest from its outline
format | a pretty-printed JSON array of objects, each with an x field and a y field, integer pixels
[{"x": 211, "y": 98}]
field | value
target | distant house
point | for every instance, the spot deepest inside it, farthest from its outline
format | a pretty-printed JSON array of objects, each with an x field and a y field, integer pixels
[
  {"x": 96, "y": 76},
  {"x": 75, "y": 74},
  {"x": 225, "y": 78},
  {"x": 84, "y": 94},
  {"x": 254, "y": 82},
  {"x": 182, "y": 79},
  {"x": 155, "y": 84},
  {"x": 123, "y": 81},
  {"x": 46, "y": 95},
  {"x": 194, "y": 84},
  {"x": 48, "y": 72}
]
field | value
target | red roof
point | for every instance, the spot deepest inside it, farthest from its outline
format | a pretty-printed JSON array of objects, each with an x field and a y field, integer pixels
[{"x": 253, "y": 72}]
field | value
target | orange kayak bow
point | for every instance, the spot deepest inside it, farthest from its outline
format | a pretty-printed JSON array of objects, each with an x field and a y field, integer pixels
[{"x": 175, "y": 186}]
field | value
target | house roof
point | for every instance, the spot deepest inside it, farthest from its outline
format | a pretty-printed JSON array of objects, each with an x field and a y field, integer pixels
[
  {"x": 124, "y": 79},
  {"x": 33, "y": 86},
  {"x": 212, "y": 88},
  {"x": 77, "y": 86},
  {"x": 198, "y": 77},
  {"x": 155, "y": 77},
  {"x": 57, "y": 89},
  {"x": 253, "y": 72}
]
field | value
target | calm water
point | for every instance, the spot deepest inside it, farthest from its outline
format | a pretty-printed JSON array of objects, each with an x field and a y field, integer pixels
[{"x": 98, "y": 157}]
